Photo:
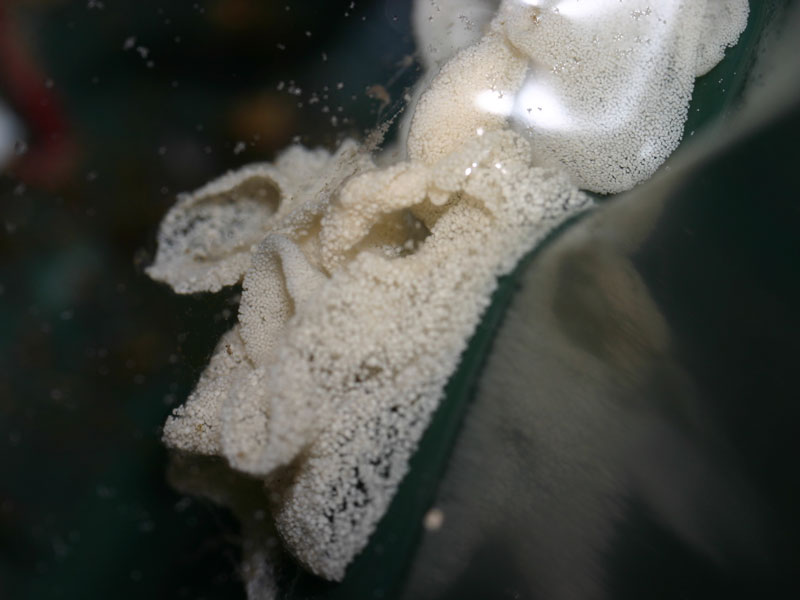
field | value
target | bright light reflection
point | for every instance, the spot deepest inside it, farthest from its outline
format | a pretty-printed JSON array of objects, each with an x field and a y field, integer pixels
[
  {"x": 576, "y": 9},
  {"x": 539, "y": 106},
  {"x": 495, "y": 102}
]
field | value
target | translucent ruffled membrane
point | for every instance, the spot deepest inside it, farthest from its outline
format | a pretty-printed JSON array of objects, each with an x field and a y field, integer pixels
[{"x": 362, "y": 285}]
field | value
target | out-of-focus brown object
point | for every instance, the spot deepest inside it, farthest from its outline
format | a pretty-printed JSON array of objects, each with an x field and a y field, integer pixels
[
  {"x": 266, "y": 121},
  {"x": 240, "y": 15}
]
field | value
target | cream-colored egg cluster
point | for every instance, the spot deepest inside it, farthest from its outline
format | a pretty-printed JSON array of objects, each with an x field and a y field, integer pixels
[
  {"x": 609, "y": 82},
  {"x": 272, "y": 251},
  {"x": 361, "y": 285},
  {"x": 204, "y": 241},
  {"x": 340, "y": 358},
  {"x": 374, "y": 353},
  {"x": 600, "y": 87}
]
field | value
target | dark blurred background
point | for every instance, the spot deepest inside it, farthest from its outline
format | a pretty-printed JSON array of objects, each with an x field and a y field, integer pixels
[{"x": 110, "y": 108}]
